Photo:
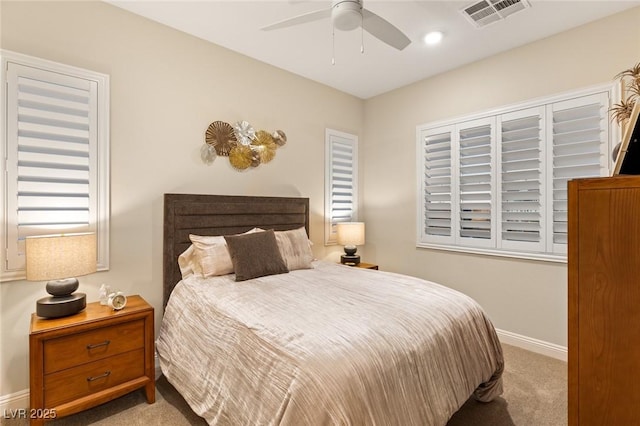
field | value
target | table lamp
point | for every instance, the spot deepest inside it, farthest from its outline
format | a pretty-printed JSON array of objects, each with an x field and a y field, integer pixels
[
  {"x": 60, "y": 258},
  {"x": 350, "y": 235}
]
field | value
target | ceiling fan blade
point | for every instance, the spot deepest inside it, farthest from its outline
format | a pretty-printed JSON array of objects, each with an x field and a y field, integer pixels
[
  {"x": 300, "y": 19},
  {"x": 383, "y": 30}
]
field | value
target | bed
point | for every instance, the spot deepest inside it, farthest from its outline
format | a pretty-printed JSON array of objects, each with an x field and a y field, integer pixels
[{"x": 324, "y": 344}]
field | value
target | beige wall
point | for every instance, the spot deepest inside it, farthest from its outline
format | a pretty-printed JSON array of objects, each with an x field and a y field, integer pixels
[
  {"x": 166, "y": 87},
  {"x": 523, "y": 297}
]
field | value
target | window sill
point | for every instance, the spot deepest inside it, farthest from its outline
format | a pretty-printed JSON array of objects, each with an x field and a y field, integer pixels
[{"x": 543, "y": 257}]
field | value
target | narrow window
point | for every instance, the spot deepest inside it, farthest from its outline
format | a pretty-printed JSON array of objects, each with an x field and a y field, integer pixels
[{"x": 341, "y": 181}]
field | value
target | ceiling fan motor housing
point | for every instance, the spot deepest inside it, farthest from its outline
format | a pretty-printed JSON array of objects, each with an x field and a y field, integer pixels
[{"x": 346, "y": 14}]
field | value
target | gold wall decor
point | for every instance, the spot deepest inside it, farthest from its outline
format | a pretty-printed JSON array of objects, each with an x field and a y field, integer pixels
[{"x": 245, "y": 147}]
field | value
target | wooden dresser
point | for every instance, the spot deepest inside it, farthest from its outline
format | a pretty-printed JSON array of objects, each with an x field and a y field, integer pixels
[
  {"x": 604, "y": 301},
  {"x": 83, "y": 360}
]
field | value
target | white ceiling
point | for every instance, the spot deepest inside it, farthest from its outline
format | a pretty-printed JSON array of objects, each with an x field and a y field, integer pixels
[{"x": 306, "y": 49}]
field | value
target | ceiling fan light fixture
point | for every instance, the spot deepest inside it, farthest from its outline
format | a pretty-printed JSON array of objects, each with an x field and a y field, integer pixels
[{"x": 346, "y": 15}]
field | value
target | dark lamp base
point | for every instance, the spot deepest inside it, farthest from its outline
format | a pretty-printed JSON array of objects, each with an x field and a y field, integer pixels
[
  {"x": 351, "y": 260},
  {"x": 61, "y": 306},
  {"x": 62, "y": 287}
]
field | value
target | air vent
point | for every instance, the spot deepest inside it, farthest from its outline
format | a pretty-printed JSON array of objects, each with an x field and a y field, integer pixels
[{"x": 485, "y": 12}]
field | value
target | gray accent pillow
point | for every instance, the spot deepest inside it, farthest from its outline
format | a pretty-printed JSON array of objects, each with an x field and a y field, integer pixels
[{"x": 255, "y": 255}]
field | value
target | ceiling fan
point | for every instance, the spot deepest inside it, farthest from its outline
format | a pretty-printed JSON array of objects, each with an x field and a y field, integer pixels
[{"x": 347, "y": 15}]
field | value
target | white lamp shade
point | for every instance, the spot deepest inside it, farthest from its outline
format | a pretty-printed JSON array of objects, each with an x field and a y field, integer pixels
[
  {"x": 350, "y": 233},
  {"x": 53, "y": 257}
]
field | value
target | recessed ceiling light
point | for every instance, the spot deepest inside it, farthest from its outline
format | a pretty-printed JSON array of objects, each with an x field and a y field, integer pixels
[{"x": 433, "y": 38}]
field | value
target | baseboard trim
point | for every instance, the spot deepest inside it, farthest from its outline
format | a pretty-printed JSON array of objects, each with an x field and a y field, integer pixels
[
  {"x": 14, "y": 401},
  {"x": 534, "y": 345}
]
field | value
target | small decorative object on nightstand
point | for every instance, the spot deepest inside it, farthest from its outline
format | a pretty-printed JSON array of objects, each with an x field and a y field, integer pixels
[
  {"x": 87, "y": 359},
  {"x": 117, "y": 301},
  {"x": 350, "y": 235}
]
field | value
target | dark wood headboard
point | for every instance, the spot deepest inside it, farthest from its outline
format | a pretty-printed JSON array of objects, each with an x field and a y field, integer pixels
[{"x": 186, "y": 214}]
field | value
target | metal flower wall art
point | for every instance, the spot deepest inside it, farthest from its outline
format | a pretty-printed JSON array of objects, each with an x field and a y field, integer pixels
[{"x": 244, "y": 146}]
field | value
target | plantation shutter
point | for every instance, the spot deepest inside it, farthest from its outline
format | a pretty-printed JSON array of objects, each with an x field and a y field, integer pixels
[
  {"x": 475, "y": 182},
  {"x": 51, "y": 155},
  {"x": 579, "y": 137},
  {"x": 521, "y": 180},
  {"x": 437, "y": 164},
  {"x": 341, "y": 185}
]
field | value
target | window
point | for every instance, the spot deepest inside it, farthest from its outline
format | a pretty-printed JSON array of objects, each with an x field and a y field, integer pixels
[
  {"x": 56, "y": 151},
  {"x": 497, "y": 183},
  {"x": 341, "y": 181}
]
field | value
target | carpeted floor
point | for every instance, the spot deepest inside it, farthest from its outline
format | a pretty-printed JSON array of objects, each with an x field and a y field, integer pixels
[{"x": 535, "y": 394}]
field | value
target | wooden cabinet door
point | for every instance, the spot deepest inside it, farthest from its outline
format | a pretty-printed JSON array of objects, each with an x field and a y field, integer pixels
[{"x": 604, "y": 302}]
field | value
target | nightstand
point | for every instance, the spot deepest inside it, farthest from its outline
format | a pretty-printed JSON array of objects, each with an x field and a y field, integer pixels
[
  {"x": 366, "y": 265},
  {"x": 86, "y": 359}
]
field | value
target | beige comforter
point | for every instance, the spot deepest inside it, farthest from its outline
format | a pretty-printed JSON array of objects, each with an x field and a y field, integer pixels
[{"x": 332, "y": 345}]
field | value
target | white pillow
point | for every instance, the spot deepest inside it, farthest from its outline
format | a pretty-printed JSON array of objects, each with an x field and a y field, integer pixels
[
  {"x": 295, "y": 248},
  {"x": 211, "y": 256},
  {"x": 187, "y": 262}
]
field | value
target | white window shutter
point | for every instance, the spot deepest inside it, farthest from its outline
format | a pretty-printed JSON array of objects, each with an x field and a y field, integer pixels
[
  {"x": 56, "y": 182},
  {"x": 521, "y": 194},
  {"x": 476, "y": 175},
  {"x": 579, "y": 136},
  {"x": 51, "y": 136},
  {"x": 438, "y": 216},
  {"x": 341, "y": 187}
]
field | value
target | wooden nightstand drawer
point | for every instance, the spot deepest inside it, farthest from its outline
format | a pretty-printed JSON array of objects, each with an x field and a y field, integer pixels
[
  {"x": 93, "y": 377},
  {"x": 70, "y": 351}
]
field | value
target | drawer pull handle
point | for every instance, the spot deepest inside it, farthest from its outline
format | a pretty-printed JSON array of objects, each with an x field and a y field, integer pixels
[
  {"x": 105, "y": 374},
  {"x": 97, "y": 345}
]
